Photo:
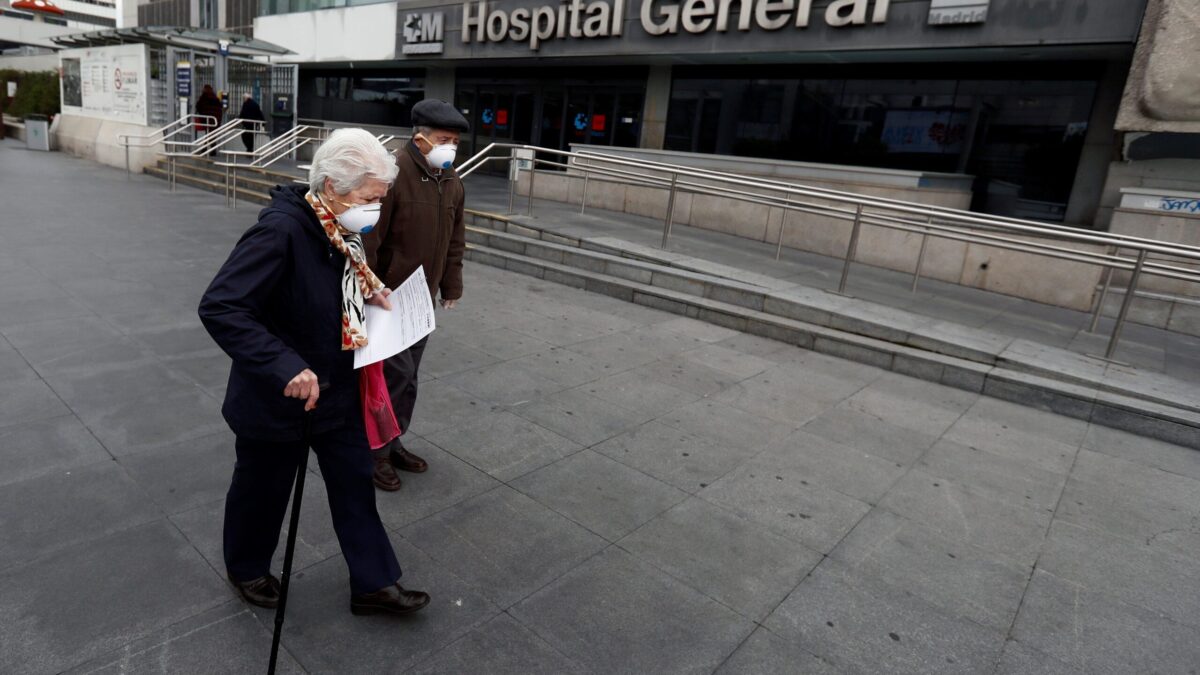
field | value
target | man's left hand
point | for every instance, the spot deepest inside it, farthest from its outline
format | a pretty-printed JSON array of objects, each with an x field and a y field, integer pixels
[
  {"x": 449, "y": 304},
  {"x": 380, "y": 299}
]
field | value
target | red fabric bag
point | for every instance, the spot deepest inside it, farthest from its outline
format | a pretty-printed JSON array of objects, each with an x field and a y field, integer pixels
[{"x": 378, "y": 415}]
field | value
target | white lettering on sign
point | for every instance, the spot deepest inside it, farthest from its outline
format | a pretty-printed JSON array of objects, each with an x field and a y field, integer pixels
[
  {"x": 423, "y": 33},
  {"x": 957, "y": 12},
  {"x": 573, "y": 19}
]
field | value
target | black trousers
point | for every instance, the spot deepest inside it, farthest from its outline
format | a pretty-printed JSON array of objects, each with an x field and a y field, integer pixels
[
  {"x": 262, "y": 486},
  {"x": 400, "y": 372},
  {"x": 248, "y": 140}
]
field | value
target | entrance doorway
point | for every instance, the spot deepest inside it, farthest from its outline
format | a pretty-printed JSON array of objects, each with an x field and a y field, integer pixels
[{"x": 550, "y": 114}]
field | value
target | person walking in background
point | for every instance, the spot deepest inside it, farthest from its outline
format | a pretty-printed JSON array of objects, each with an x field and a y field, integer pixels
[
  {"x": 288, "y": 308},
  {"x": 253, "y": 113},
  {"x": 209, "y": 104},
  {"x": 421, "y": 224}
]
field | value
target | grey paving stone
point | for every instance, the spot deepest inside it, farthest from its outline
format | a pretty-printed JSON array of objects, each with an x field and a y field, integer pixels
[
  {"x": 54, "y": 445},
  {"x": 913, "y": 404},
  {"x": 622, "y": 351},
  {"x": 448, "y": 482},
  {"x": 565, "y": 367},
  {"x": 175, "y": 340},
  {"x": 13, "y": 366},
  {"x": 505, "y": 383},
  {"x": 76, "y": 505},
  {"x": 503, "y": 343},
  {"x": 563, "y": 331},
  {"x": 788, "y": 504},
  {"x": 227, "y": 639},
  {"x": 1092, "y": 632},
  {"x": 209, "y": 370},
  {"x": 501, "y": 646},
  {"x": 860, "y": 625},
  {"x": 1141, "y": 504},
  {"x": 322, "y": 634},
  {"x": 130, "y": 425},
  {"x": 605, "y": 496},
  {"x": 832, "y": 465},
  {"x": 1012, "y": 439},
  {"x": 765, "y": 653},
  {"x": 77, "y": 604},
  {"x": 185, "y": 475},
  {"x": 1119, "y": 417},
  {"x": 1021, "y": 660},
  {"x": 689, "y": 376},
  {"x": 315, "y": 539},
  {"x": 1001, "y": 477},
  {"x": 999, "y": 527},
  {"x": 441, "y": 405},
  {"x": 90, "y": 393},
  {"x": 641, "y": 391},
  {"x": 1148, "y": 451},
  {"x": 504, "y": 543},
  {"x": 1129, "y": 571},
  {"x": 772, "y": 350},
  {"x": 731, "y": 361},
  {"x": 727, "y": 424},
  {"x": 21, "y": 310},
  {"x": 637, "y": 620},
  {"x": 673, "y": 456},
  {"x": 870, "y": 434},
  {"x": 22, "y": 402},
  {"x": 582, "y": 417},
  {"x": 1036, "y": 422},
  {"x": 444, "y": 357},
  {"x": 958, "y": 579},
  {"x": 504, "y": 445},
  {"x": 737, "y": 563},
  {"x": 1032, "y": 391}
]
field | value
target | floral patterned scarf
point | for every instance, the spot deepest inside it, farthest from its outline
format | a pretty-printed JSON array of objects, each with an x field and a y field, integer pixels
[{"x": 358, "y": 281}]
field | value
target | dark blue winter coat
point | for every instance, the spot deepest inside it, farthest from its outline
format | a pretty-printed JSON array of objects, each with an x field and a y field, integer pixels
[{"x": 276, "y": 308}]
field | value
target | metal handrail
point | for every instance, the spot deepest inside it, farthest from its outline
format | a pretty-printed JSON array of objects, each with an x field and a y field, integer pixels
[
  {"x": 161, "y": 134},
  {"x": 207, "y": 144},
  {"x": 280, "y": 147},
  {"x": 940, "y": 222}
]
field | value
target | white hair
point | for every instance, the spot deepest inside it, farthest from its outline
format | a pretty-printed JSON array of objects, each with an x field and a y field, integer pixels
[{"x": 348, "y": 158}]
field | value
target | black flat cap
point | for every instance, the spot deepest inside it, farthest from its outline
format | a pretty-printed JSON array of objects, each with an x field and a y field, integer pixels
[{"x": 438, "y": 115}]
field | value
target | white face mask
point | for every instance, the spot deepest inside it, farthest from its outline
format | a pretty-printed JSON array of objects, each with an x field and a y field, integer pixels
[
  {"x": 442, "y": 156},
  {"x": 359, "y": 219}
]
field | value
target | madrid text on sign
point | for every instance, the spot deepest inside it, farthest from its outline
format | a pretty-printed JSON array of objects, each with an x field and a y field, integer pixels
[{"x": 602, "y": 18}]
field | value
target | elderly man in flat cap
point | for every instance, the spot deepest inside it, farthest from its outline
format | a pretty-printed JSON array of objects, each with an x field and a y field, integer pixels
[{"x": 421, "y": 224}]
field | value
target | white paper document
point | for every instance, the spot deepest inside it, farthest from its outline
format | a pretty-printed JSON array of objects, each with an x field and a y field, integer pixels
[{"x": 410, "y": 319}]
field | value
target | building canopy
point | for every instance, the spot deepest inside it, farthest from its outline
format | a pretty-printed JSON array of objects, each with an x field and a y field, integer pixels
[{"x": 177, "y": 36}]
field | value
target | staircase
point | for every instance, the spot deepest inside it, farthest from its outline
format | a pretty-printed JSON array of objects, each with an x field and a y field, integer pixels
[{"x": 252, "y": 185}]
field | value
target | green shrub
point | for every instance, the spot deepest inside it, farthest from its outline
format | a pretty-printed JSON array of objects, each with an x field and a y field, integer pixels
[{"x": 37, "y": 93}]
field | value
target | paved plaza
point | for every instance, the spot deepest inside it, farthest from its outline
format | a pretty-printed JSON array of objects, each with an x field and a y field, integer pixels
[{"x": 613, "y": 489}]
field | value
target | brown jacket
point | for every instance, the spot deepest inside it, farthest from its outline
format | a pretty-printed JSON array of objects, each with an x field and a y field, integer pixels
[{"x": 420, "y": 223}]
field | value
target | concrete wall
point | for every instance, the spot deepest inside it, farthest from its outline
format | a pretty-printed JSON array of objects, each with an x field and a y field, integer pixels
[
  {"x": 96, "y": 139},
  {"x": 1026, "y": 275},
  {"x": 1179, "y": 315},
  {"x": 1164, "y": 174}
]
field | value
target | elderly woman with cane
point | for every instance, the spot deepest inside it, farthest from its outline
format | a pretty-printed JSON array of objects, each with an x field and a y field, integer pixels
[{"x": 288, "y": 306}]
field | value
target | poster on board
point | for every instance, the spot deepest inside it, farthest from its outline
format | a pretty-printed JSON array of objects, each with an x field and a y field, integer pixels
[{"x": 106, "y": 82}]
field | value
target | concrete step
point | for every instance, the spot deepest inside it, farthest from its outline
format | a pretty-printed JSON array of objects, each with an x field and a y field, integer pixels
[
  {"x": 211, "y": 184},
  {"x": 1016, "y": 370}
]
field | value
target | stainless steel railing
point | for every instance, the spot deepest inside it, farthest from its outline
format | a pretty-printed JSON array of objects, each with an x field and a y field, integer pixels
[
  {"x": 163, "y": 134},
  {"x": 1111, "y": 252},
  {"x": 207, "y": 144},
  {"x": 280, "y": 147}
]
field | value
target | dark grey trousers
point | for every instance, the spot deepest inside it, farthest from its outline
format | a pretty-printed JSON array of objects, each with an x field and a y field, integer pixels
[{"x": 400, "y": 371}]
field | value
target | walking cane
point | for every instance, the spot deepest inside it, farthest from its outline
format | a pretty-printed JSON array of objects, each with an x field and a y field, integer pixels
[{"x": 290, "y": 550}]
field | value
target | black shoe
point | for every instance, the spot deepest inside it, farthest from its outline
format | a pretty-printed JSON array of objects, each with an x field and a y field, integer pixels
[
  {"x": 406, "y": 461},
  {"x": 388, "y": 600},
  {"x": 263, "y": 591},
  {"x": 385, "y": 476}
]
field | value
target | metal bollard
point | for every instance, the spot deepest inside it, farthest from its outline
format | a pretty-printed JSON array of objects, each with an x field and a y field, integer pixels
[{"x": 851, "y": 249}]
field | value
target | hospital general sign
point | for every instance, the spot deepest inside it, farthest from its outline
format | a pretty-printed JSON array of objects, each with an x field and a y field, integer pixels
[{"x": 484, "y": 22}]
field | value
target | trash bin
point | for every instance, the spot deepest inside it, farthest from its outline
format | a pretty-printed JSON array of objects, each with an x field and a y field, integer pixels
[{"x": 37, "y": 133}]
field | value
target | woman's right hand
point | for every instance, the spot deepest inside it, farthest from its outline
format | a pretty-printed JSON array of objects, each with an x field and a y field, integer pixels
[{"x": 304, "y": 386}]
